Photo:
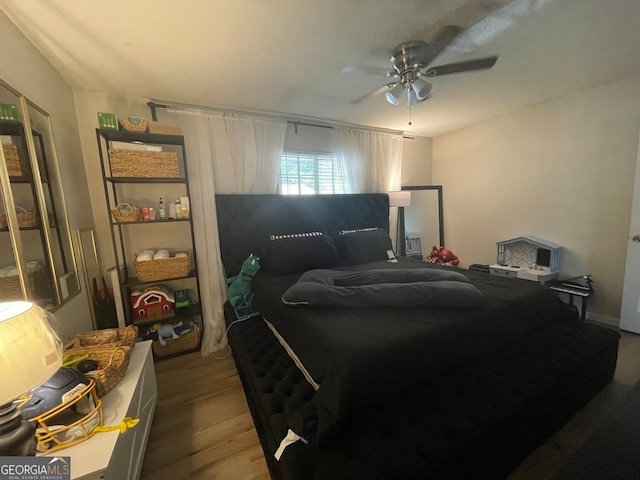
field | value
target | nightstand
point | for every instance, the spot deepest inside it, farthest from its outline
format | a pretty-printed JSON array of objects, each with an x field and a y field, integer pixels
[
  {"x": 112, "y": 455},
  {"x": 584, "y": 293}
]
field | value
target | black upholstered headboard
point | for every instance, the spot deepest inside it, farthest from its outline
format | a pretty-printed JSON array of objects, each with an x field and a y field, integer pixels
[{"x": 244, "y": 221}]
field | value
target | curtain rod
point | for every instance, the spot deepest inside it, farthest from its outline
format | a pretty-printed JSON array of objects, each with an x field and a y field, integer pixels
[{"x": 153, "y": 106}]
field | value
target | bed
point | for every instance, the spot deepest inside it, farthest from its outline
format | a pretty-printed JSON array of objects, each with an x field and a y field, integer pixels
[{"x": 461, "y": 388}]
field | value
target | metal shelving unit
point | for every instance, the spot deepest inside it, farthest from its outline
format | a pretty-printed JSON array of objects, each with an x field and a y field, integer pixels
[{"x": 121, "y": 233}]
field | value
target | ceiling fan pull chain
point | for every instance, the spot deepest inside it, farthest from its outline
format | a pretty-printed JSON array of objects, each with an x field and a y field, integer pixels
[{"x": 409, "y": 114}]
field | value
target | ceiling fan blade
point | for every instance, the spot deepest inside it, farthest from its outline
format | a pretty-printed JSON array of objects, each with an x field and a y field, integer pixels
[
  {"x": 443, "y": 38},
  {"x": 358, "y": 69},
  {"x": 466, "y": 66},
  {"x": 377, "y": 91}
]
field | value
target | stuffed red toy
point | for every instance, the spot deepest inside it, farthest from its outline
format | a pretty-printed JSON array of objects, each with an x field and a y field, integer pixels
[{"x": 442, "y": 255}]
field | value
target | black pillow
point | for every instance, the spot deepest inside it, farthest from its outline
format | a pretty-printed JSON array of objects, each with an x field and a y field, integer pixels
[
  {"x": 360, "y": 246},
  {"x": 298, "y": 252}
]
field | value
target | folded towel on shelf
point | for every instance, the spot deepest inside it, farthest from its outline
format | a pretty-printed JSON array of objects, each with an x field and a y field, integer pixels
[
  {"x": 163, "y": 253},
  {"x": 145, "y": 255}
]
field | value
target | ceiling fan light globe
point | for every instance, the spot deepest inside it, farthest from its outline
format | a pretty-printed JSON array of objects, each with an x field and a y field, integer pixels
[
  {"x": 391, "y": 98},
  {"x": 394, "y": 94},
  {"x": 412, "y": 98},
  {"x": 421, "y": 88}
]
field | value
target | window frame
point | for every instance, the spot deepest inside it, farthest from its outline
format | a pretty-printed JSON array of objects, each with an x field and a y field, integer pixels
[{"x": 340, "y": 180}]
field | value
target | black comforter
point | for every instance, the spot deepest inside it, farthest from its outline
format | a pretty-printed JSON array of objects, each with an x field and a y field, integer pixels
[
  {"x": 412, "y": 287},
  {"x": 357, "y": 358}
]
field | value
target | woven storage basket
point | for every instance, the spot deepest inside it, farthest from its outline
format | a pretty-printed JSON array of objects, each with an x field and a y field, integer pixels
[
  {"x": 26, "y": 218},
  {"x": 12, "y": 157},
  {"x": 124, "y": 213},
  {"x": 10, "y": 288},
  {"x": 188, "y": 341},
  {"x": 143, "y": 163},
  {"x": 111, "y": 337},
  {"x": 113, "y": 363},
  {"x": 162, "y": 268},
  {"x": 134, "y": 123}
]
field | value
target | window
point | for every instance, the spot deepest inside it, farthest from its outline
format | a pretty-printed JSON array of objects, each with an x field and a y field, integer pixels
[{"x": 308, "y": 173}]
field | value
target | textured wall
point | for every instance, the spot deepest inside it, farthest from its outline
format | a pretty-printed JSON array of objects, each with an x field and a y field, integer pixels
[{"x": 562, "y": 170}]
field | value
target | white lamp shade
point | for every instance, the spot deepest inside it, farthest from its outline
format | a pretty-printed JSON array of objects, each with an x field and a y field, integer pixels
[
  {"x": 421, "y": 89},
  {"x": 412, "y": 99},
  {"x": 394, "y": 94},
  {"x": 400, "y": 198},
  {"x": 30, "y": 350}
]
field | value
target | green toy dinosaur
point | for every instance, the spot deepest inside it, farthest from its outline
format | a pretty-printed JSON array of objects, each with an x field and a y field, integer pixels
[{"x": 240, "y": 294}]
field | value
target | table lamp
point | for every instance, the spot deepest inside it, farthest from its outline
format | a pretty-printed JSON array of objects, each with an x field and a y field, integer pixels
[
  {"x": 400, "y": 199},
  {"x": 30, "y": 353}
]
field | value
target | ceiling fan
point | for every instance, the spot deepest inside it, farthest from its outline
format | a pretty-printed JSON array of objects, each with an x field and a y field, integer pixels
[{"x": 411, "y": 64}]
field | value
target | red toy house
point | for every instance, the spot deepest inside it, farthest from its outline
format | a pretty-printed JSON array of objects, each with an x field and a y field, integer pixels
[{"x": 154, "y": 302}]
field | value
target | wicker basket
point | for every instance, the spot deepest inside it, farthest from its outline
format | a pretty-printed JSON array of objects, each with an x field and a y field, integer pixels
[
  {"x": 12, "y": 157},
  {"x": 26, "y": 218},
  {"x": 143, "y": 163},
  {"x": 162, "y": 268},
  {"x": 10, "y": 288},
  {"x": 111, "y": 337},
  {"x": 188, "y": 341},
  {"x": 125, "y": 212},
  {"x": 134, "y": 123},
  {"x": 113, "y": 363}
]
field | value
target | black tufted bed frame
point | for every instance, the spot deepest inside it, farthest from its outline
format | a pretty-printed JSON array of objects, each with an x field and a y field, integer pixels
[{"x": 477, "y": 421}]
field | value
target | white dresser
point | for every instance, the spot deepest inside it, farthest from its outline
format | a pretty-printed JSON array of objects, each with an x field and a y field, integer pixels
[{"x": 112, "y": 455}]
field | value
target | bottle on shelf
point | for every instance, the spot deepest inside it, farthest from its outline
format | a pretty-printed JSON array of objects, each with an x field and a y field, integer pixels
[
  {"x": 178, "y": 208},
  {"x": 162, "y": 214}
]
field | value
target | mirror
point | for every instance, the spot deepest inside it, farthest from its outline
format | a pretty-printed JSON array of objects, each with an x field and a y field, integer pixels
[
  {"x": 88, "y": 253},
  {"x": 52, "y": 207},
  {"x": 37, "y": 261},
  {"x": 422, "y": 220}
]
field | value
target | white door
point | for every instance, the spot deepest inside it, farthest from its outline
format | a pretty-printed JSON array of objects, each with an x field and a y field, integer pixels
[{"x": 630, "y": 313}]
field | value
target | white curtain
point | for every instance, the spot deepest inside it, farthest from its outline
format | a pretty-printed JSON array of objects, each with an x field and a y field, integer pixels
[
  {"x": 373, "y": 162},
  {"x": 225, "y": 154}
]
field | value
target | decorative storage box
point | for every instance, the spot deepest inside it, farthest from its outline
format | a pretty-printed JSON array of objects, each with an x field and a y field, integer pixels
[
  {"x": 162, "y": 268},
  {"x": 143, "y": 163},
  {"x": 529, "y": 258},
  {"x": 12, "y": 157}
]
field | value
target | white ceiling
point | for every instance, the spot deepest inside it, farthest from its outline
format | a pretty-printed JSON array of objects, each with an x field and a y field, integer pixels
[{"x": 309, "y": 57}]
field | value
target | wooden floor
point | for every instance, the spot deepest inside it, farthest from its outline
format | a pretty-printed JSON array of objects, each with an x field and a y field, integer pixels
[{"x": 202, "y": 428}]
